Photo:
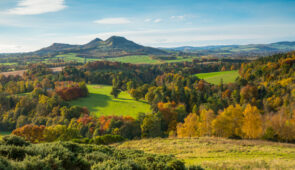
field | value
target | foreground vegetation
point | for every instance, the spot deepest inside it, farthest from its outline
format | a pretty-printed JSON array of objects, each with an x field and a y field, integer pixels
[
  {"x": 220, "y": 153},
  {"x": 100, "y": 102},
  {"x": 15, "y": 153}
]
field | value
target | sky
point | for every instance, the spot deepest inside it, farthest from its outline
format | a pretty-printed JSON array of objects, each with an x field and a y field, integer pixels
[{"x": 28, "y": 25}]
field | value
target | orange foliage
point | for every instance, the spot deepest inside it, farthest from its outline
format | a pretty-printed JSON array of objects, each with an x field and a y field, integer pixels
[{"x": 32, "y": 133}]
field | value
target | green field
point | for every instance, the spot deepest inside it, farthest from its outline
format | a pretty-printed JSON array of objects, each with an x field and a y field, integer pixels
[
  {"x": 215, "y": 77},
  {"x": 100, "y": 102},
  {"x": 135, "y": 59},
  {"x": 220, "y": 153},
  {"x": 73, "y": 57}
]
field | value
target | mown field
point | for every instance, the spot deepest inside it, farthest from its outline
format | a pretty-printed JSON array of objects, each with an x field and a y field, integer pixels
[
  {"x": 215, "y": 77},
  {"x": 73, "y": 57},
  {"x": 220, "y": 153},
  {"x": 100, "y": 102},
  {"x": 145, "y": 59},
  {"x": 133, "y": 59}
]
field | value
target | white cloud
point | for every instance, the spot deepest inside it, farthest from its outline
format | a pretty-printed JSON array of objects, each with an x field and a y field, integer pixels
[
  {"x": 178, "y": 18},
  {"x": 34, "y": 7},
  {"x": 157, "y": 20},
  {"x": 113, "y": 21},
  {"x": 148, "y": 20}
]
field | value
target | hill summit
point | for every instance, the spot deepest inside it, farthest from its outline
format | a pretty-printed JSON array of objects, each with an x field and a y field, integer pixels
[{"x": 114, "y": 46}]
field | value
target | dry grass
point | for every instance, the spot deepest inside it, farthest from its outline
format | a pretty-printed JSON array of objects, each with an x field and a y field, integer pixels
[{"x": 220, "y": 153}]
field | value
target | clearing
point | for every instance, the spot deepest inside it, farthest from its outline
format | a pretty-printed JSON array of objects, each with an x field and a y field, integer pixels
[
  {"x": 100, "y": 102},
  {"x": 215, "y": 77}
]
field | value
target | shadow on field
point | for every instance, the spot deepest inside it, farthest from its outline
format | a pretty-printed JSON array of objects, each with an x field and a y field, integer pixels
[{"x": 99, "y": 100}]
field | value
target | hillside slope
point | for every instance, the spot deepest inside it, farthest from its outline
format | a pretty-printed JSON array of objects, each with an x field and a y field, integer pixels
[
  {"x": 113, "y": 47},
  {"x": 220, "y": 153}
]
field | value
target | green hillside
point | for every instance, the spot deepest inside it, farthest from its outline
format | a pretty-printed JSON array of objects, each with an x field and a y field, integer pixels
[
  {"x": 100, "y": 102},
  {"x": 215, "y": 77}
]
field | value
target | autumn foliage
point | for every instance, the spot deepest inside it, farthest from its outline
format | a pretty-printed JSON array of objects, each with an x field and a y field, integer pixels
[{"x": 71, "y": 90}]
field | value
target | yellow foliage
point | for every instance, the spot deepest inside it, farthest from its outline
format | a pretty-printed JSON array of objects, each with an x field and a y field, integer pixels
[
  {"x": 286, "y": 82},
  {"x": 252, "y": 123},
  {"x": 228, "y": 123},
  {"x": 205, "y": 124},
  {"x": 190, "y": 126}
]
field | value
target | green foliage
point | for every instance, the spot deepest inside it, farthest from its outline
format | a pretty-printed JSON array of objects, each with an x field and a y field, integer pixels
[
  {"x": 107, "y": 139},
  {"x": 14, "y": 140},
  {"x": 67, "y": 155}
]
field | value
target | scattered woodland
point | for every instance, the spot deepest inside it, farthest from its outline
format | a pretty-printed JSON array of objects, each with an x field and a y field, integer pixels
[{"x": 39, "y": 109}]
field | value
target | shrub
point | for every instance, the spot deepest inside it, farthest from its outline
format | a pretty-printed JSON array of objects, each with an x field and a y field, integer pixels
[
  {"x": 14, "y": 140},
  {"x": 107, "y": 139}
]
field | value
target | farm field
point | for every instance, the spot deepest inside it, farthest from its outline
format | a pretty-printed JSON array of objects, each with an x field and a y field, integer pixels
[
  {"x": 135, "y": 59},
  {"x": 73, "y": 57},
  {"x": 215, "y": 77},
  {"x": 21, "y": 72},
  {"x": 100, "y": 102},
  {"x": 220, "y": 153}
]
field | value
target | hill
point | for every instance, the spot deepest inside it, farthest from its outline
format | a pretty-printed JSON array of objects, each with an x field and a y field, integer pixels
[
  {"x": 220, "y": 153},
  {"x": 113, "y": 47},
  {"x": 240, "y": 50}
]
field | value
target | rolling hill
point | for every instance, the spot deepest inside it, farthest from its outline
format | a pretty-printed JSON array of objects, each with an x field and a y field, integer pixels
[
  {"x": 249, "y": 50},
  {"x": 115, "y": 46}
]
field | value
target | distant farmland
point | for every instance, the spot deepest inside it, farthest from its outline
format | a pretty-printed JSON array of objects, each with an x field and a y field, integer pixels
[
  {"x": 215, "y": 77},
  {"x": 21, "y": 72}
]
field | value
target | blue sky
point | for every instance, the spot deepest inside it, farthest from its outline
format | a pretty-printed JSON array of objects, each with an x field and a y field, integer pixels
[{"x": 28, "y": 25}]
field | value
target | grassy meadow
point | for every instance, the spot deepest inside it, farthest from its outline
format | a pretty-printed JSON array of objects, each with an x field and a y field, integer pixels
[
  {"x": 215, "y": 77},
  {"x": 220, "y": 153},
  {"x": 100, "y": 102},
  {"x": 73, "y": 57}
]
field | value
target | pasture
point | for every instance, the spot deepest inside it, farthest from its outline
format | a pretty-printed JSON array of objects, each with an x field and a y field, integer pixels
[
  {"x": 135, "y": 59},
  {"x": 220, "y": 153},
  {"x": 100, "y": 102},
  {"x": 215, "y": 77}
]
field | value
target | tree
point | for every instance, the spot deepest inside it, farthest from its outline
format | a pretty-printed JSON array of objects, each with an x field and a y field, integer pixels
[
  {"x": 135, "y": 94},
  {"x": 151, "y": 126},
  {"x": 252, "y": 123},
  {"x": 115, "y": 92},
  {"x": 190, "y": 126},
  {"x": 32, "y": 133},
  {"x": 205, "y": 124},
  {"x": 229, "y": 122}
]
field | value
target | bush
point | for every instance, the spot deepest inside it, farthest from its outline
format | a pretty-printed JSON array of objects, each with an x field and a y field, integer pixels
[
  {"x": 107, "y": 139},
  {"x": 68, "y": 155},
  {"x": 14, "y": 140},
  {"x": 176, "y": 165}
]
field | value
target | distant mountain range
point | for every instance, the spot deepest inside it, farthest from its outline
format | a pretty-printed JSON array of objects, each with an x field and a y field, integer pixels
[
  {"x": 113, "y": 47},
  {"x": 117, "y": 46},
  {"x": 238, "y": 50}
]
